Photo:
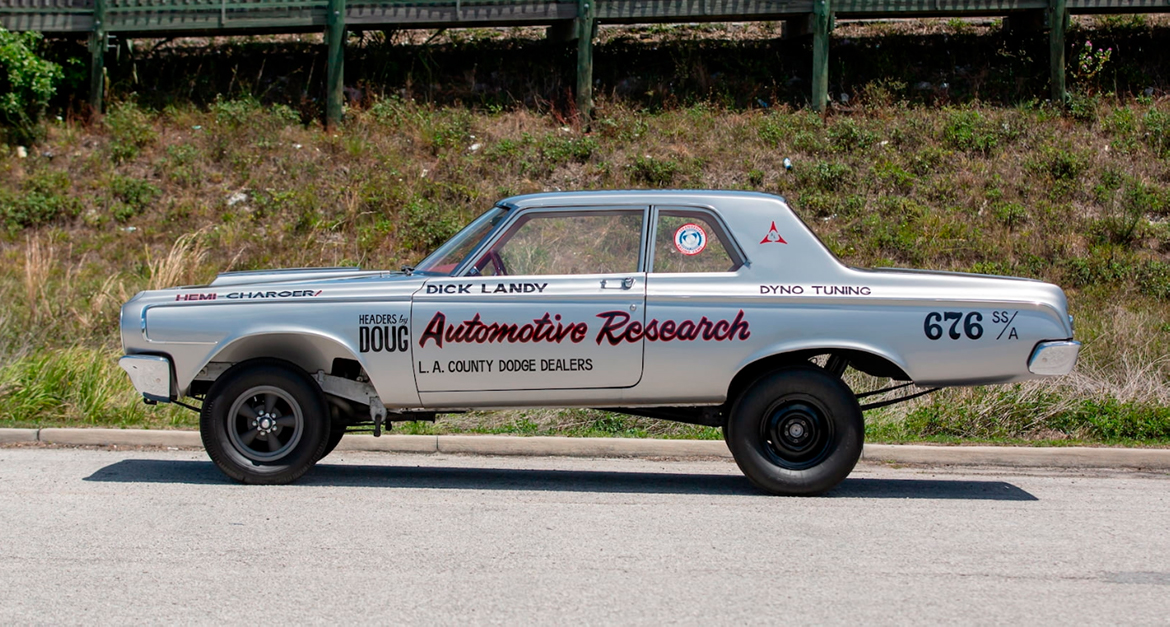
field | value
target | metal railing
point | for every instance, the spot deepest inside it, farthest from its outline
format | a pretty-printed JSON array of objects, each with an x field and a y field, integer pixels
[{"x": 155, "y": 18}]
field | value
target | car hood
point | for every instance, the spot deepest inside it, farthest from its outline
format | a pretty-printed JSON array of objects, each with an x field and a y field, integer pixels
[{"x": 290, "y": 275}]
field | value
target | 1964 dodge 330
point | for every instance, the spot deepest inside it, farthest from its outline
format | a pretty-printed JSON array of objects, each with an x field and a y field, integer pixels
[{"x": 706, "y": 307}]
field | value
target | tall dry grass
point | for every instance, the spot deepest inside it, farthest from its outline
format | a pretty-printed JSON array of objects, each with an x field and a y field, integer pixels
[
  {"x": 39, "y": 260},
  {"x": 180, "y": 265}
]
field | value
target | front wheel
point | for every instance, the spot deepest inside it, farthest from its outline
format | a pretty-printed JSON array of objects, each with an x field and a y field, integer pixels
[
  {"x": 264, "y": 423},
  {"x": 796, "y": 431},
  {"x": 336, "y": 432}
]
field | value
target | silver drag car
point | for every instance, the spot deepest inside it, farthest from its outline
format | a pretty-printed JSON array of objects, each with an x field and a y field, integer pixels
[{"x": 706, "y": 307}]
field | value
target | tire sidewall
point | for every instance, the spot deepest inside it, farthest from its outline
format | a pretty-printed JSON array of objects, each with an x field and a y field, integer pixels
[
  {"x": 213, "y": 423},
  {"x": 744, "y": 438}
]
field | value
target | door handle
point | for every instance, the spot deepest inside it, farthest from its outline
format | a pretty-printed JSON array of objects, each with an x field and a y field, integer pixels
[{"x": 624, "y": 284}]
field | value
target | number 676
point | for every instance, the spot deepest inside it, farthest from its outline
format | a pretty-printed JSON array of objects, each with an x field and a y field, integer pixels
[{"x": 933, "y": 325}]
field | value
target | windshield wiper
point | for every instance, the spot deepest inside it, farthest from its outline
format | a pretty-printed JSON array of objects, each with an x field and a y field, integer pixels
[{"x": 407, "y": 270}]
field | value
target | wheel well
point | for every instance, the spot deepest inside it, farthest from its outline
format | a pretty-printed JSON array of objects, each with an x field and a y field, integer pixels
[
  {"x": 310, "y": 353},
  {"x": 874, "y": 365}
]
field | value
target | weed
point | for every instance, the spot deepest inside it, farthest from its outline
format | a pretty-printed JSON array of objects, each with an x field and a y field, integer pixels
[
  {"x": 556, "y": 150},
  {"x": 882, "y": 93},
  {"x": 1153, "y": 278},
  {"x": 848, "y": 136},
  {"x": 180, "y": 266},
  {"x": 1083, "y": 107},
  {"x": 892, "y": 177},
  {"x": 76, "y": 386},
  {"x": 971, "y": 131},
  {"x": 1011, "y": 214},
  {"x": 34, "y": 208},
  {"x": 426, "y": 224},
  {"x": 655, "y": 172},
  {"x": 826, "y": 176},
  {"x": 1156, "y": 126},
  {"x": 132, "y": 196},
  {"x": 1062, "y": 164},
  {"x": 131, "y": 130},
  {"x": 249, "y": 112}
]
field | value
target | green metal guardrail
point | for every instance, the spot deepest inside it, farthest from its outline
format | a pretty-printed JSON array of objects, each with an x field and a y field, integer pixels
[{"x": 155, "y": 18}]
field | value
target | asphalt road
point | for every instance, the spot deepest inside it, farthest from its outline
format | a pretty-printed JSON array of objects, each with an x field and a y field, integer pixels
[{"x": 96, "y": 536}]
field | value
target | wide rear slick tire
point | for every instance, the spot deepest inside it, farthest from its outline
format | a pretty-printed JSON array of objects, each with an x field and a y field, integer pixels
[
  {"x": 264, "y": 422},
  {"x": 796, "y": 431}
]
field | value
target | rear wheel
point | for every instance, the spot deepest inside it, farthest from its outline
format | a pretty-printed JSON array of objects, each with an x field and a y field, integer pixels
[
  {"x": 796, "y": 431},
  {"x": 264, "y": 422}
]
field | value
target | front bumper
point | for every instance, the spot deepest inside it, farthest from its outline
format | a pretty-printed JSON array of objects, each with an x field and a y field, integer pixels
[
  {"x": 1054, "y": 357},
  {"x": 151, "y": 376}
]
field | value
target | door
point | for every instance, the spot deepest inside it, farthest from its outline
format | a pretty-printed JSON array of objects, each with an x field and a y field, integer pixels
[
  {"x": 697, "y": 322},
  {"x": 556, "y": 301}
]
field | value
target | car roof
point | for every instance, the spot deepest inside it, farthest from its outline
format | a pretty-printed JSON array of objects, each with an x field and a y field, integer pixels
[{"x": 633, "y": 196}]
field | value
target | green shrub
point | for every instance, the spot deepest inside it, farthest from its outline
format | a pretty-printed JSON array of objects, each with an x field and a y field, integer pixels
[
  {"x": 558, "y": 149},
  {"x": 1083, "y": 107},
  {"x": 131, "y": 130},
  {"x": 656, "y": 172},
  {"x": 34, "y": 208},
  {"x": 1156, "y": 126},
  {"x": 1011, "y": 214},
  {"x": 181, "y": 165},
  {"x": 42, "y": 198},
  {"x": 249, "y": 112},
  {"x": 1101, "y": 266},
  {"x": 447, "y": 129},
  {"x": 1062, "y": 164},
  {"x": 427, "y": 224},
  {"x": 27, "y": 83},
  {"x": 826, "y": 176},
  {"x": 847, "y": 136},
  {"x": 893, "y": 177},
  {"x": 132, "y": 196},
  {"x": 803, "y": 131},
  {"x": 1153, "y": 279},
  {"x": 825, "y": 205},
  {"x": 390, "y": 111},
  {"x": 971, "y": 131}
]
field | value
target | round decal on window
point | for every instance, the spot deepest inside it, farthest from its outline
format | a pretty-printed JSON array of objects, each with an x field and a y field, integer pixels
[{"x": 690, "y": 239}]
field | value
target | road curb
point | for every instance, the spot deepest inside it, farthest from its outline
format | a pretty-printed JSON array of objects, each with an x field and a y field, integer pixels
[
  {"x": 1020, "y": 456},
  {"x": 121, "y": 437},
  {"x": 390, "y": 443},
  {"x": 17, "y": 436},
  {"x": 1011, "y": 456}
]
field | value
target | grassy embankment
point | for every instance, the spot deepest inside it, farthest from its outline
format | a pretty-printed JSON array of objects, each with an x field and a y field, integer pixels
[{"x": 161, "y": 193}]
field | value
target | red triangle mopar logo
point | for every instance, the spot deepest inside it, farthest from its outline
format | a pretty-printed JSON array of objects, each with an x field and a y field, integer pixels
[{"x": 773, "y": 236}]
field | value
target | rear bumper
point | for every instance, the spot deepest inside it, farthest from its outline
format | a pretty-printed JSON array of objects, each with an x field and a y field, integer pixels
[
  {"x": 1054, "y": 357},
  {"x": 151, "y": 376}
]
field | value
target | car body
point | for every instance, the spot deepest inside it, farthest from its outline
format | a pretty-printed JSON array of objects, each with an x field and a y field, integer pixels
[{"x": 661, "y": 303}]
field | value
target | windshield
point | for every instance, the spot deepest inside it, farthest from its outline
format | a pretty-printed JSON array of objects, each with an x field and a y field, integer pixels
[{"x": 447, "y": 258}]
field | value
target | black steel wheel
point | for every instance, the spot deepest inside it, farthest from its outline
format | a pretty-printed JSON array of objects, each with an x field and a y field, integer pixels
[
  {"x": 264, "y": 422},
  {"x": 796, "y": 431}
]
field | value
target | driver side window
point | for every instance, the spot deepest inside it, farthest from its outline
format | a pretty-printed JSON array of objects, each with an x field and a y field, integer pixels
[{"x": 566, "y": 242}]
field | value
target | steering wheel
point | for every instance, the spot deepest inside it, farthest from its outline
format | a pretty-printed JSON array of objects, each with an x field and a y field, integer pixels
[{"x": 493, "y": 257}]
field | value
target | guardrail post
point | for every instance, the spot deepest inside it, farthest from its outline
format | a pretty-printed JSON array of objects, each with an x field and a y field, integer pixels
[
  {"x": 585, "y": 25},
  {"x": 335, "y": 64},
  {"x": 97, "y": 51},
  {"x": 822, "y": 22},
  {"x": 1058, "y": 23}
]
